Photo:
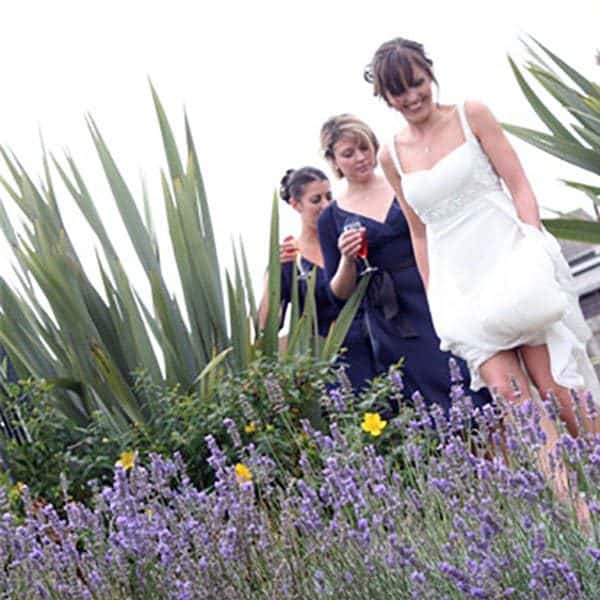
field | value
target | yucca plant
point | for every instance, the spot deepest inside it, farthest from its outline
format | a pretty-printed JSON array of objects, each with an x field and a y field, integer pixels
[
  {"x": 577, "y": 143},
  {"x": 89, "y": 342}
]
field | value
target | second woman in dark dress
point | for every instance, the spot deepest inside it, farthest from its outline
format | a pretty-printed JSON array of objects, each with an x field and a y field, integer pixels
[
  {"x": 307, "y": 191},
  {"x": 394, "y": 320}
]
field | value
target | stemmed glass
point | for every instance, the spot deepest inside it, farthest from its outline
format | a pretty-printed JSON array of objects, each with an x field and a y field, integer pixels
[
  {"x": 353, "y": 224},
  {"x": 303, "y": 274}
]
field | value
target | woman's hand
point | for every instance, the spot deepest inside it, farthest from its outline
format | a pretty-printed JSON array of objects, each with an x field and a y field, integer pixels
[
  {"x": 288, "y": 249},
  {"x": 350, "y": 241},
  {"x": 343, "y": 282}
]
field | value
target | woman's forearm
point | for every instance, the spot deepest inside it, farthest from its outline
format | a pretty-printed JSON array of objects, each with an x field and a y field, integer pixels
[
  {"x": 343, "y": 283},
  {"x": 527, "y": 206},
  {"x": 421, "y": 258}
]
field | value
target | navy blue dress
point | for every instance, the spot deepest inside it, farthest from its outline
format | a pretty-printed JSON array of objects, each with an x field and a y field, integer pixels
[
  {"x": 327, "y": 308},
  {"x": 393, "y": 320}
]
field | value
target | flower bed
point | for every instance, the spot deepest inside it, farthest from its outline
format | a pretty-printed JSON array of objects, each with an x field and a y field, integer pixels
[{"x": 437, "y": 515}]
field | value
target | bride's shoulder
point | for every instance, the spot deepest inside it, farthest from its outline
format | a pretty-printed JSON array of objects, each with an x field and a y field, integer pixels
[
  {"x": 476, "y": 109},
  {"x": 479, "y": 115},
  {"x": 397, "y": 140},
  {"x": 402, "y": 137}
]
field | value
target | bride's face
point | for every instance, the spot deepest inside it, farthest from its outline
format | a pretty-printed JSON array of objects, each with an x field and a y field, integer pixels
[{"x": 416, "y": 101}]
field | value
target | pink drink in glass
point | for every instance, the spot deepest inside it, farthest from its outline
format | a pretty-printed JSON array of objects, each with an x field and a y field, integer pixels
[{"x": 364, "y": 247}]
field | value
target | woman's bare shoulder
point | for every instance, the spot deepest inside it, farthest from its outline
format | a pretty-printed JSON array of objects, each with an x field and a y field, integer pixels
[
  {"x": 395, "y": 141},
  {"x": 403, "y": 137},
  {"x": 479, "y": 115},
  {"x": 387, "y": 164}
]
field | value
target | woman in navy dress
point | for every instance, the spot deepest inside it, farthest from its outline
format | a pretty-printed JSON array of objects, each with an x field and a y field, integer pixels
[
  {"x": 308, "y": 191},
  {"x": 394, "y": 320}
]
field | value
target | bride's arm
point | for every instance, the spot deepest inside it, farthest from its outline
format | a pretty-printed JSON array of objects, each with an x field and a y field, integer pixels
[
  {"x": 504, "y": 159},
  {"x": 418, "y": 233}
]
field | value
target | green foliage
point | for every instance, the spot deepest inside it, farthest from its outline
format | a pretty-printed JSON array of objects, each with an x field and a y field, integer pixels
[
  {"x": 57, "y": 446},
  {"x": 89, "y": 342},
  {"x": 266, "y": 401},
  {"x": 578, "y": 143}
]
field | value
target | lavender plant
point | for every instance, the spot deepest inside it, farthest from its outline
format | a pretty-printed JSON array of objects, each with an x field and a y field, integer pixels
[{"x": 460, "y": 511}]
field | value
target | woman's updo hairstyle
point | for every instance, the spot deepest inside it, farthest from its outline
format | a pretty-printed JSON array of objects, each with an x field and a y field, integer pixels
[
  {"x": 345, "y": 125},
  {"x": 391, "y": 70},
  {"x": 294, "y": 182}
]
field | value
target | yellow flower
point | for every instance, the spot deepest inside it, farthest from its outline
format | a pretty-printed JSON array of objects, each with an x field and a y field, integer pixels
[
  {"x": 127, "y": 459},
  {"x": 250, "y": 427},
  {"x": 242, "y": 472},
  {"x": 373, "y": 424},
  {"x": 17, "y": 489}
]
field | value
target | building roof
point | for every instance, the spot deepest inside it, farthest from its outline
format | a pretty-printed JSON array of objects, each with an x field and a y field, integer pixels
[
  {"x": 584, "y": 259},
  {"x": 572, "y": 250}
]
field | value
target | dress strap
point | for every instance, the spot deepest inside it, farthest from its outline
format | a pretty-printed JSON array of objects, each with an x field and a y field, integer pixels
[
  {"x": 469, "y": 135},
  {"x": 394, "y": 155}
]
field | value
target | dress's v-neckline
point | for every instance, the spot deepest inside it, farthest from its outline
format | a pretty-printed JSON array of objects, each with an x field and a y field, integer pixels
[{"x": 361, "y": 216}]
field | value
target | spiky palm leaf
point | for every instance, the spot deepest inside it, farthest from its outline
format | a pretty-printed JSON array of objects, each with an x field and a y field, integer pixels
[
  {"x": 58, "y": 325},
  {"x": 581, "y": 146}
]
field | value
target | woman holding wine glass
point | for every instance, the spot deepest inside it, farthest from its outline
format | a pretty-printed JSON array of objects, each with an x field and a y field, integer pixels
[
  {"x": 364, "y": 232},
  {"x": 308, "y": 192}
]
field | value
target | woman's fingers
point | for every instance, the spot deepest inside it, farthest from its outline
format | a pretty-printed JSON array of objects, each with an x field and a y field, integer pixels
[
  {"x": 287, "y": 250},
  {"x": 349, "y": 242}
]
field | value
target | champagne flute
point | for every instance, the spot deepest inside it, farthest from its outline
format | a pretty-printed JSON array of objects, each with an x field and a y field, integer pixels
[{"x": 354, "y": 224}]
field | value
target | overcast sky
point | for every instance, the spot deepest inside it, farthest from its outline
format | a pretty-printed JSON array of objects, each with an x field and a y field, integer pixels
[{"x": 257, "y": 79}]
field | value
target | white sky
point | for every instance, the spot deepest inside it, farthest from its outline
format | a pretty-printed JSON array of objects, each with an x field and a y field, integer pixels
[{"x": 258, "y": 80}]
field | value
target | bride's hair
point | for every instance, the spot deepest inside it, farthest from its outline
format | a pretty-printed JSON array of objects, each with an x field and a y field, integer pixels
[
  {"x": 345, "y": 125},
  {"x": 391, "y": 69}
]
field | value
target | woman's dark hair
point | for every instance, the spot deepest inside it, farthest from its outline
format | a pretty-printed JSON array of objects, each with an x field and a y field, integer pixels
[
  {"x": 391, "y": 69},
  {"x": 295, "y": 181}
]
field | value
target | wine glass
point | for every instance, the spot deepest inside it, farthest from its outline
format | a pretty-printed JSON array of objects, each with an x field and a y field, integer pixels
[
  {"x": 353, "y": 224},
  {"x": 303, "y": 274}
]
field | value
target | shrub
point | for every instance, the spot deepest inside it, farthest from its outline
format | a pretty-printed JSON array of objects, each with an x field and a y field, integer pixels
[{"x": 265, "y": 402}]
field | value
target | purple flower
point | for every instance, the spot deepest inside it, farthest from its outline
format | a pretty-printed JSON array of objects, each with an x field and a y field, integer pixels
[
  {"x": 594, "y": 553},
  {"x": 396, "y": 379},
  {"x": 337, "y": 399},
  {"x": 233, "y": 432},
  {"x": 417, "y": 578},
  {"x": 455, "y": 373}
]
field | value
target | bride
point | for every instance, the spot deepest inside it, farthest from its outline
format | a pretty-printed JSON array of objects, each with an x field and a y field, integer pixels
[{"x": 500, "y": 293}]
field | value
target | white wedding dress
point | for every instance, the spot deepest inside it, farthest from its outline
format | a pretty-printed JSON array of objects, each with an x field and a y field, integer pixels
[{"x": 472, "y": 228}]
